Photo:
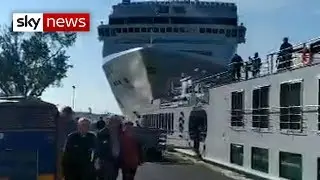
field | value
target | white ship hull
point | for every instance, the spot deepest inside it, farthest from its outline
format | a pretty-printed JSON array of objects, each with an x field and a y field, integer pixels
[{"x": 145, "y": 73}]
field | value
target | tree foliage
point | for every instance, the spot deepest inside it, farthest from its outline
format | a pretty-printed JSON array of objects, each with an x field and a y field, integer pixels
[{"x": 31, "y": 62}]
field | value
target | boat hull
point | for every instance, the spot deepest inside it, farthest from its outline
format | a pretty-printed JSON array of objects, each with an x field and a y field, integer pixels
[{"x": 139, "y": 75}]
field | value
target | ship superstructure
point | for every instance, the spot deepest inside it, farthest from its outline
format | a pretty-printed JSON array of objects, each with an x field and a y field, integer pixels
[{"x": 148, "y": 45}]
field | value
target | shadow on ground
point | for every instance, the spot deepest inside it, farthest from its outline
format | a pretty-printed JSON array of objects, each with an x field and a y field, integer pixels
[{"x": 169, "y": 159}]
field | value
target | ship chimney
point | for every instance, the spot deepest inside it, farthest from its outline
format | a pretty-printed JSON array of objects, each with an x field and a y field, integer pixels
[{"x": 126, "y": 1}]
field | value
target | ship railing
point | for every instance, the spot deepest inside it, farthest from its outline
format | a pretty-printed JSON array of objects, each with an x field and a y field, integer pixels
[
  {"x": 271, "y": 65},
  {"x": 290, "y": 119}
]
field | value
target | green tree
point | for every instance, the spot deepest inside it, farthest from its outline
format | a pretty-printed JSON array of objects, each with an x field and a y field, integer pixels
[{"x": 32, "y": 62}]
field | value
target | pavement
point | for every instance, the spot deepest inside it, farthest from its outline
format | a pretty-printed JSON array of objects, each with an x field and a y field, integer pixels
[{"x": 176, "y": 167}]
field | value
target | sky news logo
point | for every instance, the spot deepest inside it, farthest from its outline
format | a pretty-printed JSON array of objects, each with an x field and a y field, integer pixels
[{"x": 51, "y": 22}]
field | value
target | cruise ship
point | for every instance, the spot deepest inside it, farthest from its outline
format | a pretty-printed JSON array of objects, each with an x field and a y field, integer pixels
[{"x": 149, "y": 45}]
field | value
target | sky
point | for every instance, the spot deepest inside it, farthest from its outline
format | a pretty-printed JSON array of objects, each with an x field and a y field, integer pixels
[{"x": 267, "y": 22}]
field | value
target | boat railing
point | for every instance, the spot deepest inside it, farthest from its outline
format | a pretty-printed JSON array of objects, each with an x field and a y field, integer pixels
[
  {"x": 289, "y": 119},
  {"x": 301, "y": 55}
]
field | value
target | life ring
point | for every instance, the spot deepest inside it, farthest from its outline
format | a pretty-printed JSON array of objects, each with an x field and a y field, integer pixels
[{"x": 305, "y": 56}]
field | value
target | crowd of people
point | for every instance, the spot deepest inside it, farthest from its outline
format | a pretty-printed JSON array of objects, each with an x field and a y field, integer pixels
[{"x": 99, "y": 154}]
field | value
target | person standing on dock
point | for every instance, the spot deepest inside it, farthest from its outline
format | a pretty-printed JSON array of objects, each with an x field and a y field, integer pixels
[
  {"x": 66, "y": 124},
  {"x": 131, "y": 152},
  {"x": 79, "y": 153},
  {"x": 109, "y": 148}
]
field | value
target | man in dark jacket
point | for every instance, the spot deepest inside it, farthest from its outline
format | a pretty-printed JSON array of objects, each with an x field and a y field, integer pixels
[
  {"x": 236, "y": 64},
  {"x": 109, "y": 148},
  {"x": 79, "y": 153},
  {"x": 285, "y": 55}
]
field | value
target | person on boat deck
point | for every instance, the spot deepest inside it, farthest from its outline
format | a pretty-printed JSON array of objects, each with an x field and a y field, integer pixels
[
  {"x": 285, "y": 55},
  {"x": 236, "y": 64},
  {"x": 131, "y": 152},
  {"x": 256, "y": 65},
  {"x": 109, "y": 148},
  {"x": 247, "y": 67},
  {"x": 79, "y": 153}
]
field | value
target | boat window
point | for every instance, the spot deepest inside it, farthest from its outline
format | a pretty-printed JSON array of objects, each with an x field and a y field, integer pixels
[
  {"x": 237, "y": 109},
  {"x": 221, "y": 31},
  {"x": 162, "y": 30},
  {"x": 157, "y": 121},
  {"x": 234, "y": 33},
  {"x": 169, "y": 29},
  {"x": 236, "y": 154},
  {"x": 166, "y": 121},
  {"x": 215, "y": 31},
  {"x": 176, "y": 30},
  {"x": 163, "y": 9},
  {"x": 149, "y": 29},
  {"x": 130, "y": 30},
  {"x": 318, "y": 167},
  {"x": 182, "y": 29},
  {"x": 118, "y": 30},
  {"x": 175, "y": 20},
  {"x": 260, "y": 107},
  {"x": 136, "y": 30},
  {"x": 260, "y": 159},
  {"x": 290, "y": 165},
  {"x": 208, "y": 30},
  {"x": 228, "y": 32},
  {"x": 101, "y": 31},
  {"x": 126, "y": 80},
  {"x": 155, "y": 30},
  {"x": 202, "y": 30},
  {"x": 290, "y": 108},
  {"x": 125, "y": 30},
  {"x": 144, "y": 123},
  {"x": 143, "y": 29},
  {"x": 179, "y": 9}
]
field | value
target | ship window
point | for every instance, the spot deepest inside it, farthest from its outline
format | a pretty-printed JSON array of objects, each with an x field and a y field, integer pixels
[
  {"x": 290, "y": 108},
  {"x": 130, "y": 30},
  {"x": 202, "y": 30},
  {"x": 125, "y": 30},
  {"x": 182, "y": 30},
  {"x": 157, "y": 120},
  {"x": 155, "y": 30},
  {"x": 165, "y": 124},
  {"x": 236, "y": 154},
  {"x": 163, "y": 30},
  {"x": 126, "y": 80},
  {"x": 163, "y": 9},
  {"x": 318, "y": 172},
  {"x": 215, "y": 31},
  {"x": 260, "y": 107},
  {"x": 228, "y": 33},
  {"x": 172, "y": 123},
  {"x": 179, "y": 9},
  {"x": 221, "y": 31},
  {"x": 237, "y": 108},
  {"x": 290, "y": 165},
  {"x": 101, "y": 32},
  {"x": 174, "y": 20},
  {"x": 143, "y": 29},
  {"x": 161, "y": 20},
  {"x": 137, "y": 30},
  {"x": 208, "y": 30},
  {"x": 149, "y": 29},
  {"x": 234, "y": 33},
  {"x": 169, "y": 29},
  {"x": 175, "y": 30},
  {"x": 118, "y": 30},
  {"x": 260, "y": 159}
]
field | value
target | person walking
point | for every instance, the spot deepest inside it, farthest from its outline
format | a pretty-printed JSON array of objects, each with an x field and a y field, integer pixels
[
  {"x": 66, "y": 124},
  {"x": 79, "y": 153},
  {"x": 131, "y": 152},
  {"x": 109, "y": 149}
]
